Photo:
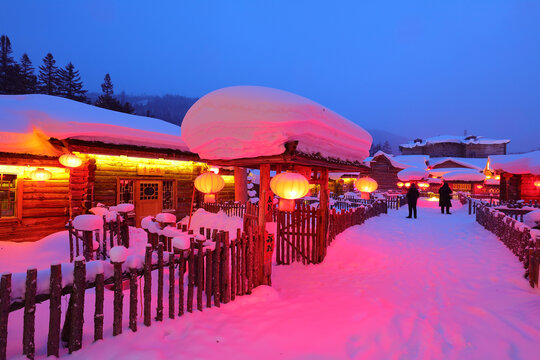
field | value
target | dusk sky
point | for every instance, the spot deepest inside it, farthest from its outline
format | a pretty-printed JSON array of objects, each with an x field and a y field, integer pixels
[{"x": 413, "y": 68}]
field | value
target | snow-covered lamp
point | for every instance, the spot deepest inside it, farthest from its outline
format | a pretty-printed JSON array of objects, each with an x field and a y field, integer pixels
[
  {"x": 366, "y": 185},
  {"x": 40, "y": 174},
  {"x": 209, "y": 184},
  {"x": 289, "y": 186},
  {"x": 70, "y": 160}
]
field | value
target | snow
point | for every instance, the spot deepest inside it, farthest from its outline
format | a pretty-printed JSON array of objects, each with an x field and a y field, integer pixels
[
  {"x": 88, "y": 222},
  {"x": 167, "y": 218},
  {"x": 99, "y": 210},
  {"x": 181, "y": 242},
  {"x": 532, "y": 219},
  {"x": 118, "y": 254},
  {"x": 28, "y": 121},
  {"x": 439, "y": 287},
  {"x": 473, "y": 163},
  {"x": 252, "y": 121},
  {"x": 403, "y": 161},
  {"x": 147, "y": 221},
  {"x": 411, "y": 174},
  {"x": 455, "y": 139},
  {"x": 528, "y": 163},
  {"x": 125, "y": 208},
  {"x": 464, "y": 175},
  {"x": 220, "y": 221}
]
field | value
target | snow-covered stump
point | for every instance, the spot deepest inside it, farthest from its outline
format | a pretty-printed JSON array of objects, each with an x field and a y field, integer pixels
[
  {"x": 55, "y": 310},
  {"x": 29, "y": 346},
  {"x": 5, "y": 298},
  {"x": 118, "y": 255}
]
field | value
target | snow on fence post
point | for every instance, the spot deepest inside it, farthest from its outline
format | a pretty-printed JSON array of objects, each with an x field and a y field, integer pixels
[
  {"x": 29, "y": 313},
  {"x": 217, "y": 269},
  {"x": 147, "y": 293},
  {"x": 5, "y": 299},
  {"x": 55, "y": 310},
  {"x": 159, "y": 309},
  {"x": 76, "y": 307},
  {"x": 133, "y": 299},
  {"x": 98, "y": 312},
  {"x": 171, "y": 287}
]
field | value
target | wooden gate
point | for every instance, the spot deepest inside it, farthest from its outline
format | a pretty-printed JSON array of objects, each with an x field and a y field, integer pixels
[{"x": 297, "y": 236}]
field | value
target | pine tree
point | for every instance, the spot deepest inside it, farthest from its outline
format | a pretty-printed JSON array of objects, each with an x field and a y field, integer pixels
[
  {"x": 48, "y": 76},
  {"x": 28, "y": 79},
  {"x": 106, "y": 100},
  {"x": 70, "y": 84},
  {"x": 374, "y": 149},
  {"x": 386, "y": 147},
  {"x": 8, "y": 67}
]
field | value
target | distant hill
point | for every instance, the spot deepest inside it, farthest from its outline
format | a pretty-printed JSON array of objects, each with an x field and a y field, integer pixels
[{"x": 170, "y": 108}]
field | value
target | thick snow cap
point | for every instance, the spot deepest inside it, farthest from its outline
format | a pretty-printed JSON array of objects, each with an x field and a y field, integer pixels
[
  {"x": 251, "y": 121},
  {"x": 528, "y": 163},
  {"x": 28, "y": 121}
]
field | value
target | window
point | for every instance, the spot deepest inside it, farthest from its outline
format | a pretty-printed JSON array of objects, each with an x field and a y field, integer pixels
[
  {"x": 149, "y": 191},
  {"x": 168, "y": 195},
  {"x": 8, "y": 191},
  {"x": 126, "y": 191}
]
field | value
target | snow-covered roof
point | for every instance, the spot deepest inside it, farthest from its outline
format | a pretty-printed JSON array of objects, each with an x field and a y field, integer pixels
[
  {"x": 402, "y": 161},
  {"x": 252, "y": 121},
  {"x": 29, "y": 121},
  {"x": 412, "y": 173},
  {"x": 473, "y": 163},
  {"x": 470, "y": 139},
  {"x": 464, "y": 175},
  {"x": 528, "y": 163}
]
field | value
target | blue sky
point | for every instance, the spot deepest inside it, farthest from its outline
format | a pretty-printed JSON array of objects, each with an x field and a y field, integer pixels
[{"x": 414, "y": 68}]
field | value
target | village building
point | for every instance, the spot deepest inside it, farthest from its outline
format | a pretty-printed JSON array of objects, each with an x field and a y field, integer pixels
[
  {"x": 519, "y": 175},
  {"x": 125, "y": 159},
  {"x": 455, "y": 146}
]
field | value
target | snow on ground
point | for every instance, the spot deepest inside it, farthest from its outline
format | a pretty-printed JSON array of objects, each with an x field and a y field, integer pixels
[{"x": 438, "y": 287}]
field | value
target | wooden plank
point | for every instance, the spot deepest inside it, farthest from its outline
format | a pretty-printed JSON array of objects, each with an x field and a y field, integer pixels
[
  {"x": 5, "y": 299},
  {"x": 181, "y": 270},
  {"x": 171, "y": 285},
  {"x": 29, "y": 347},
  {"x": 209, "y": 285},
  {"x": 98, "y": 312},
  {"x": 147, "y": 292},
  {"x": 159, "y": 310},
  {"x": 77, "y": 309},
  {"x": 118, "y": 302},
  {"x": 55, "y": 310},
  {"x": 200, "y": 273},
  {"x": 133, "y": 299},
  {"x": 217, "y": 270},
  {"x": 226, "y": 269}
]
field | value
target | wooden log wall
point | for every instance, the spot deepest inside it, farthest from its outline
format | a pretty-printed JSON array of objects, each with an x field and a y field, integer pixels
[{"x": 211, "y": 276}]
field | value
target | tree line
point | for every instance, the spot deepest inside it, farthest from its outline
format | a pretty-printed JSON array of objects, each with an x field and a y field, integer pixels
[{"x": 20, "y": 78}]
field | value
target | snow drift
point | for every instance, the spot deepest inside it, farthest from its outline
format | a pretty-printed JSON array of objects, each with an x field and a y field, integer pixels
[{"x": 252, "y": 121}]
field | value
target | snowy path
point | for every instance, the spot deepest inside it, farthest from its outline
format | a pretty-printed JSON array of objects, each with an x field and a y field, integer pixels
[{"x": 394, "y": 288}]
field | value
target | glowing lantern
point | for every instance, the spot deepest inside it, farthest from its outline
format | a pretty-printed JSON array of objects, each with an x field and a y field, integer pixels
[
  {"x": 70, "y": 160},
  {"x": 407, "y": 185},
  {"x": 215, "y": 170},
  {"x": 423, "y": 185},
  {"x": 209, "y": 183},
  {"x": 400, "y": 184},
  {"x": 537, "y": 183},
  {"x": 498, "y": 177},
  {"x": 289, "y": 186},
  {"x": 479, "y": 187},
  {"x": 40, "y": 174},
  {"x": 366, "y": 185}
]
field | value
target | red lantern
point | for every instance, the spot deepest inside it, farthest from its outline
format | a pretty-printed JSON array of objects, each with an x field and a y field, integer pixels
[
  {"x": 479, "y": 187},
  {"x": 400, "y": 184},
  {"x": 70, "y": 160},
  {"x": 537, "y": 183},
  {"x": 289, "y": 186},
  {"x": 366, "y": 185},
  {"x": 209, "y": 183}
]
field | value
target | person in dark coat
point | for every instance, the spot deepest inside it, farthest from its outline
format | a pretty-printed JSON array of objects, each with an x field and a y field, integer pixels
[
  {"x": 445, "y": 198},
  {"x": 412, "y": 198}
]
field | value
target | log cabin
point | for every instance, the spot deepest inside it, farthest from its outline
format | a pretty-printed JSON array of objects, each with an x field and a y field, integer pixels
[
  {"x": 519, "y": 175},
  {"x": 124, "y": 159},
  {"x": 456, "y": 146},
  {"x": 384, "y": 168}
]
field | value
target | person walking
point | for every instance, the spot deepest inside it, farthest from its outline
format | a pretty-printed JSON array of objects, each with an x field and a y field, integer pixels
[
  {"x": 412, "y": 198},
  {"x": 445, "y": 198}
]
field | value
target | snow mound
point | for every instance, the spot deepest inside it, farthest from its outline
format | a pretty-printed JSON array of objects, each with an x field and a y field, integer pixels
[
  {"x": 28, "y": 121},
  {"x": 528, "y": 163},
  {"x": 181, "y": 242},
  {"x": 412, "y": 173},
  {"x": 118, "y": 254},
  {"x": 166, "y": 218},
  {"x": 464, "y": 175},
  {"x": 147, "y": 221},
  {"x": 99, "y": 210},
  {"x": 123, "y": 208},
  {"x": 532, "y": 219},
  {"x": 88, "y": 222},
  {"x": 251, "y": 121},
  {"x": 220, "y": 221}
]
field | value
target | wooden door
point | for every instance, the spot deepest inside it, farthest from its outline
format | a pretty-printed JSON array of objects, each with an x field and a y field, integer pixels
[{"x": 148, "y": 199}]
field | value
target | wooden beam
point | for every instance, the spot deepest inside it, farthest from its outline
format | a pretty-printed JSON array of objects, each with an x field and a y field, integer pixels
[
  {"x": 264, "y": 192},
  {"x": 240, "y": 184},
  {"x": 322, "y": 225}
]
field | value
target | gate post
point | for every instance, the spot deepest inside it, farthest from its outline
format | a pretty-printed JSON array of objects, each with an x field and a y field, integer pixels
[{"x": 263, "y": 268}]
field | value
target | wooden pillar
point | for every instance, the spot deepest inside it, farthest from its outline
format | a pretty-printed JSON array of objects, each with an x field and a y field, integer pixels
[
  {"x": 240, "y": 184},
  {"x": 264, "y": 191},
  {"x": 322, "y": 226}
]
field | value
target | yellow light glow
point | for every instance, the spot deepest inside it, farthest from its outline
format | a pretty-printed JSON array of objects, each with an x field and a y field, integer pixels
[
  {"x": 25, "y": 171},
  {"x": 133, "y": 161},
  {"x": 400, "y": 184},
  {"x": 70, "y": 160},
  {"x": 209, "y": 183},
  {"x": 289, "y": 185},
  {"x": 408, "y": 185},
  {"x": 366, "y": 184},
  {"x": 215, "y": 170},
  {"x": 41, "y": 174}
]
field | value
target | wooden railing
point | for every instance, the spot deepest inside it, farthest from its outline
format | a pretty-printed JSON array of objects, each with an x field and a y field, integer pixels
[
  {"x": 515, "y": 235},
  {"x": 215, "y": 274},
  {"x": 229, "y": 208}
]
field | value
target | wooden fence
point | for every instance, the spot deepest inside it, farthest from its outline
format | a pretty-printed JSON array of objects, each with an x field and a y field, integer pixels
[
  {"x": 515, "y": 236},
  {"x": 215, "y": 275},
  {"x": 297, "y": 239},
  {"x": 82, "y": 242},
  {"x": 229, "y": 208}
]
